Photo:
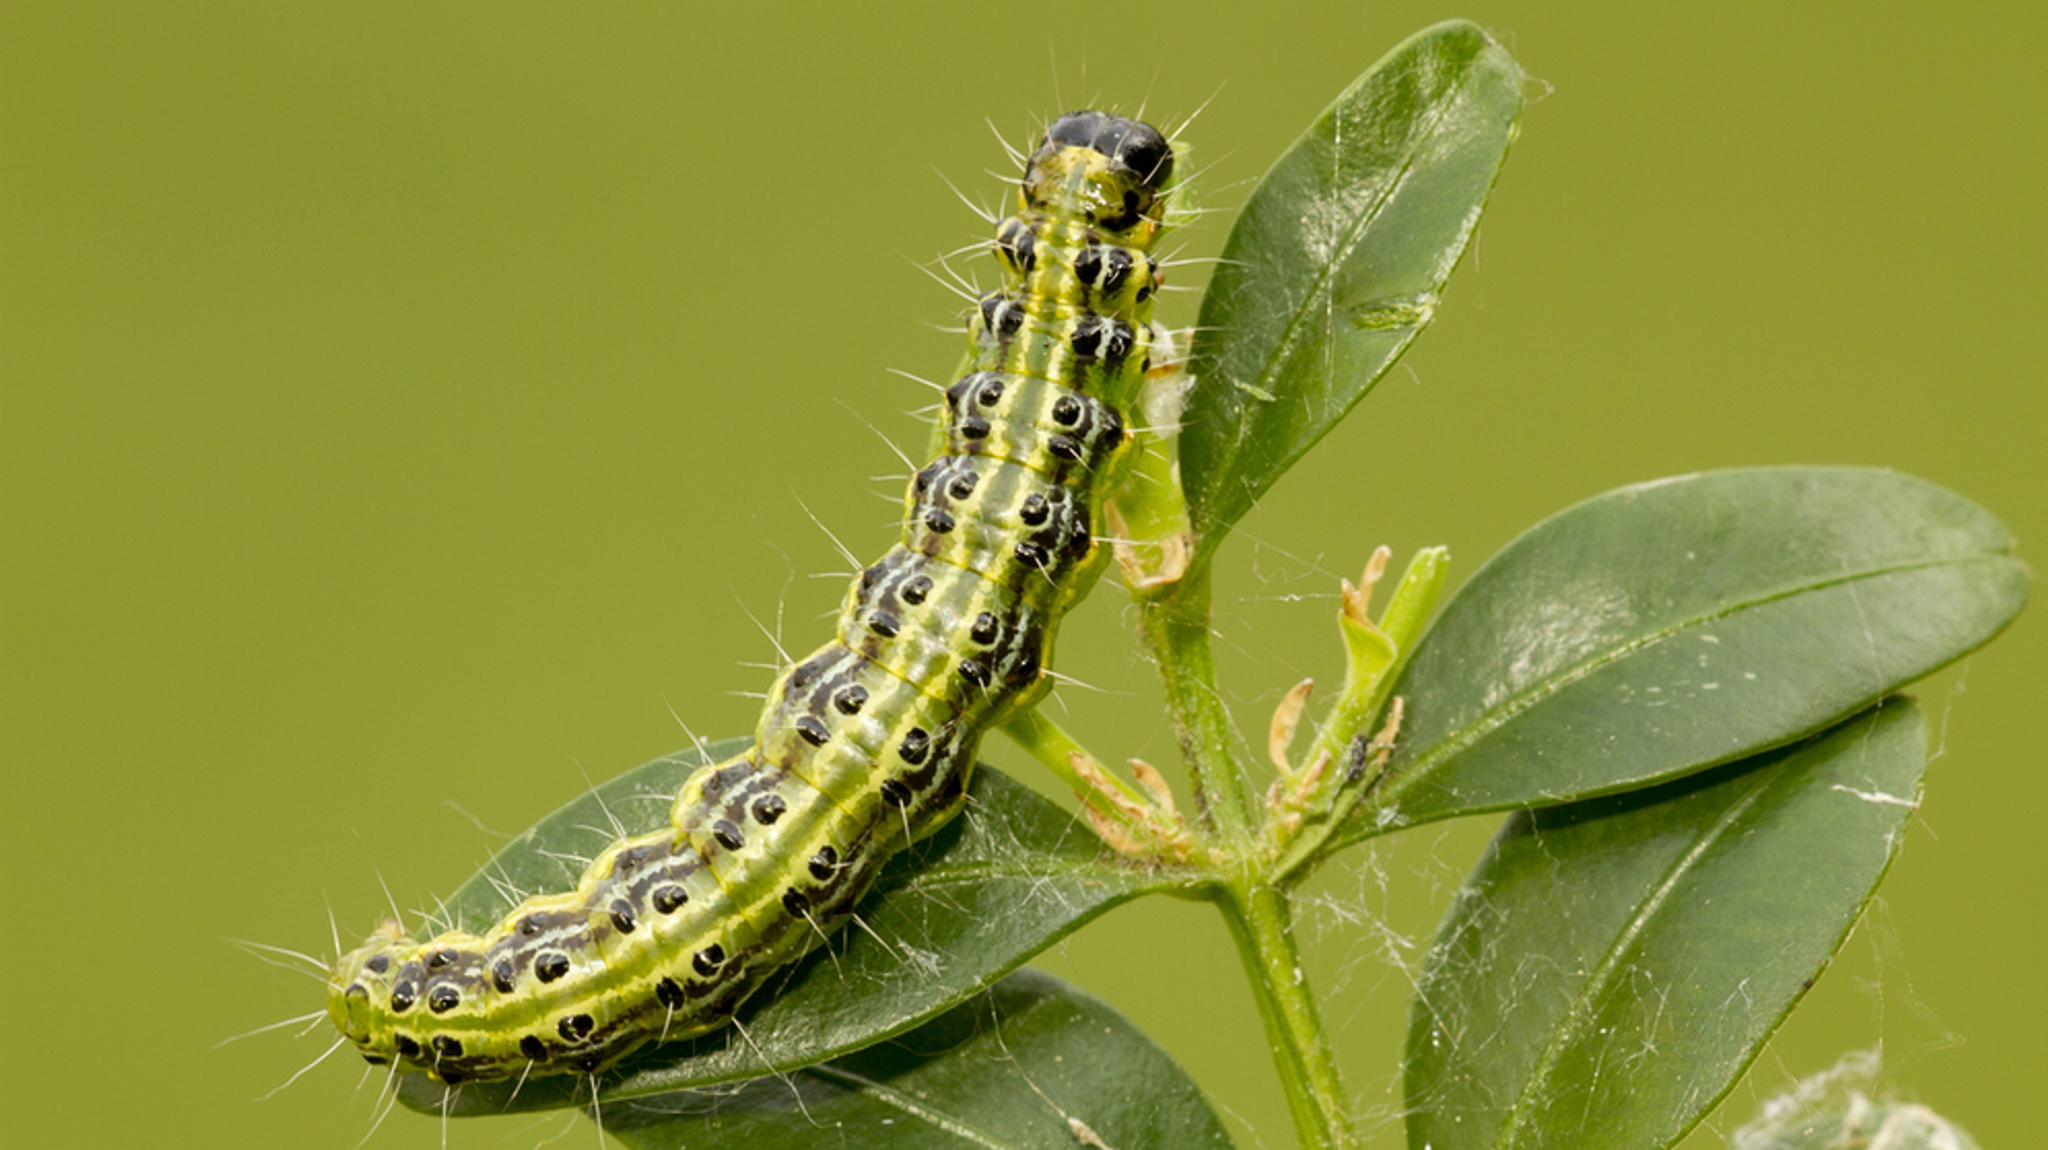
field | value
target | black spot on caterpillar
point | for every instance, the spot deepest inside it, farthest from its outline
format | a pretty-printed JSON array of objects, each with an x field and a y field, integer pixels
[{"x": 867, "y": 743}]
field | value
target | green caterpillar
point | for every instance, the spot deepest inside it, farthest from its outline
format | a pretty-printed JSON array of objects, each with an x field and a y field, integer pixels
[{"x": 866, "y": 744}]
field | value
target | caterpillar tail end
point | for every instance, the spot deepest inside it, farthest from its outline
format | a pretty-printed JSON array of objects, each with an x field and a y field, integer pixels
[{"x": 362, "y": 976}]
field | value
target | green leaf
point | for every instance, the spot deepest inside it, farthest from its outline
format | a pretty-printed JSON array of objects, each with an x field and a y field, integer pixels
[
  {"x": 948, "y": 917},
  {"x": 1031, "y": 1064},
  {"x": 1613, "y": 965},
  {"x": 1663, "y": 628},
  {"x": 1337, "y": 262}
]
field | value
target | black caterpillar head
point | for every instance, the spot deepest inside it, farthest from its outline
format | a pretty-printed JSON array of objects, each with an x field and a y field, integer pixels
[{"x": 1113, "y": 169}]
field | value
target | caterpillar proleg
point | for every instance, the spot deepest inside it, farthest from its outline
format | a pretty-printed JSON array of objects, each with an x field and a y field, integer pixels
[{"x": 867, "y": 743}]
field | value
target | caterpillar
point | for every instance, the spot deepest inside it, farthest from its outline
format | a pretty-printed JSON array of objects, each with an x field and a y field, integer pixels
[{"x": 866, "y": 744}]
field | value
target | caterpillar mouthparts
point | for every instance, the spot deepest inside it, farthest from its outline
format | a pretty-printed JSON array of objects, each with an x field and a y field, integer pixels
[{"x": 867, "y": 743}]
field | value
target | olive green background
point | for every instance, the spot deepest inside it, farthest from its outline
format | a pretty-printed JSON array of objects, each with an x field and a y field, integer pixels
[{"x": 403, "y": 407}]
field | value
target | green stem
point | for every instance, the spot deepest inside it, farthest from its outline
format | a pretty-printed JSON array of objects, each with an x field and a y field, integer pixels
[
  {"x": 1261, "y": 924},
  {"x": 1259, "y": 915},
  {"x": 1377, "y": 653},
  {"x": 1050, "y": 744},
  {"x": 1375, "y": 658},
  {"x": 1177, "y": 625}
]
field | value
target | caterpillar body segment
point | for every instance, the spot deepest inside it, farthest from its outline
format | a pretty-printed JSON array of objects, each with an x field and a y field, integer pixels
[{"x": 867, "y": 742}]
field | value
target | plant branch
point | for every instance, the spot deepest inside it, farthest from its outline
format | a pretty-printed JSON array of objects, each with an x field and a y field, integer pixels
[
  {"x": 1176, "y": 623},
  {"x": 1376, "y": 653},
  {"x": 1140, "y": 825},
  {"x": 1261, "y": 924},
  {"x": 1050, "y": 744}
]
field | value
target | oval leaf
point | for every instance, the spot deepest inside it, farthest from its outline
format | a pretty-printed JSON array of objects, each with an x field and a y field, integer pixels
[
  {"x": 1337, "y": 260},
  {"x": 1612, "y": 965},
  {"x": 948, "y": 917},
  {"x": 1031, "y": 1064},
  {"x": 1663, "y": 628}
]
